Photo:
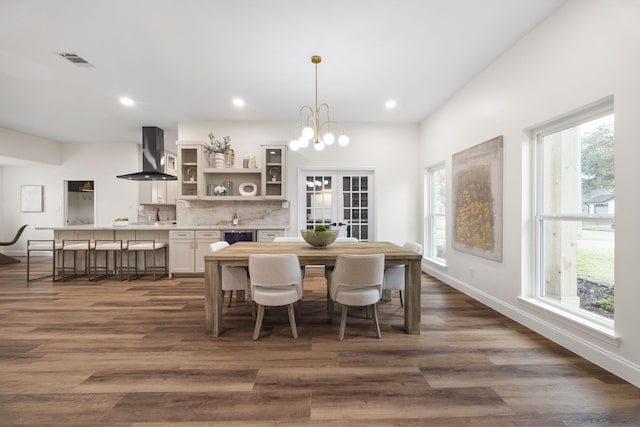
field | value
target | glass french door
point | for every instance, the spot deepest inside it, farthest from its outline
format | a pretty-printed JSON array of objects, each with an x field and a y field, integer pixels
[{"x": 342, "y": 199}]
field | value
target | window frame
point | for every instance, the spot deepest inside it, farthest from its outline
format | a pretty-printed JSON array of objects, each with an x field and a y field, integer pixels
[
  {"x": 592, "y": 112},
  {"x": 431, "y": 215}
]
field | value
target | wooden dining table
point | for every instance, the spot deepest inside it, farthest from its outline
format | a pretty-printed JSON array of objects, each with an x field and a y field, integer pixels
[{"x": 238, "y": 255}]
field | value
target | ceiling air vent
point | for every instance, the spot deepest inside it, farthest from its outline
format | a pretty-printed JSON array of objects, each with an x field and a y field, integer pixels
[{"x": 74, "y": 58}]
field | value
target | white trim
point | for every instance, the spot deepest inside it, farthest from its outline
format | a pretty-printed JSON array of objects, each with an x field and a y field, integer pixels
[
  {"x": 437, "y": 261},
  {"x": 563, "y": 333},
  {"x": 601, "y": 332},
  {"x": 593, "y": 111}
]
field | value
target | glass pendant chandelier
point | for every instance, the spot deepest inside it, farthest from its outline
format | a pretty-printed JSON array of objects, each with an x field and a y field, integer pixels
[{"x": 313, "y": 128}]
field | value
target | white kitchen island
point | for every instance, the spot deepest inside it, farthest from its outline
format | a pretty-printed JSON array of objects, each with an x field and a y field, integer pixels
[{"x": 187, "y": 243}]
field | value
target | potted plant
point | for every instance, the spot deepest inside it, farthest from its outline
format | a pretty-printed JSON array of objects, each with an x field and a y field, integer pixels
[
  {"x": 319, "y": 237},
  {"x": 218, "y": 149}
]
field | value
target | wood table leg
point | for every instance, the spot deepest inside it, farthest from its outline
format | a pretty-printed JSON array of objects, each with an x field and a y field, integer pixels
[
  {"x": 213, "y": 298},
  {"x": 412, "y": 302}
]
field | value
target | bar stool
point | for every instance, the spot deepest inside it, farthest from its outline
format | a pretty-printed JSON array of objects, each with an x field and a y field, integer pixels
[
  {"x": 146, "y": 246},
  {"x": 107, "y": 246},
  {"x": 76, "y": 246},
  {"x": 42, "y": 246}
]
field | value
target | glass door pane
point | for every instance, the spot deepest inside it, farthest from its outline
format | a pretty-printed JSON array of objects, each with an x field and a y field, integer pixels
[
  {"x": 341, "y": 199},
  {"x": 319, "y": 200}
]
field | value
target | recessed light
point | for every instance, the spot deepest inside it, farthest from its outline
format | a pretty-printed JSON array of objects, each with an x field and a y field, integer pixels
[
  {"x": 127, "y": 101},
  {"x": 238, "y": 102},
  {"x": 391, "y": 103}
]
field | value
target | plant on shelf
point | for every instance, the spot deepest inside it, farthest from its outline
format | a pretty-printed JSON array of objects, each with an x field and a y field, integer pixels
[
  {"x": 218, "y": 149},
  {"x": 217, "y": 146}
]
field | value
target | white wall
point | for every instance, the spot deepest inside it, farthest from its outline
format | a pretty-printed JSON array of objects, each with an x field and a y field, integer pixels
[
  {"x": 389, "y": 149},
  {"x": 97, "y": 162},
  {"x": 586, "y": 51}
]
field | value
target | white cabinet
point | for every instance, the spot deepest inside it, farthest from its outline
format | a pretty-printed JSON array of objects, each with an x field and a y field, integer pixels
[
  {"x": 274, "y": 182},
  {"x": 197, "y": 180},
  {"x": 269, "y": 235},
  {"x": 181, "y": 246},
  {"x": 190, "y": 164},
  {"x": 187, "y": 249},
  {"x": 203, "y": 240},
  {"x": 157, "y": 192}
]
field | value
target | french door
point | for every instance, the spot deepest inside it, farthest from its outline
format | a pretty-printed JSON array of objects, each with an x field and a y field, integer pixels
[{"x": 343, "y": 199}]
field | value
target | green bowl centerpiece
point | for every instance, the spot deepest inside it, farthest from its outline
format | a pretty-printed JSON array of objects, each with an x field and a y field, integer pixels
[{"x": 319, "y": 237}]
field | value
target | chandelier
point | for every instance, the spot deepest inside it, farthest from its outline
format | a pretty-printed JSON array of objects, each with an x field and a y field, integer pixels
[{"x": 313, "y": 128}]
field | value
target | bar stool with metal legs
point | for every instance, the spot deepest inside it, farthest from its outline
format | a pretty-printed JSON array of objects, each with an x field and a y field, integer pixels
[
  {"x": 75, "y": 246},
  {"x": 145, "y": 247},
  {"x": 42, "y": 246},
  {"x": 108, "y": 246}
]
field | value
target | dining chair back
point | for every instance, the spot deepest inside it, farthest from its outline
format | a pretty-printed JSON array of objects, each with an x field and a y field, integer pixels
[
  {"x": 356, "y": 280},
  {"x": 276, "y": 280},
  {"x": 346, "y": 239},
  {"x": 233, "y": 278},
  {"x": 394, "y": 275},
  {"x": 288, "y": 239}
]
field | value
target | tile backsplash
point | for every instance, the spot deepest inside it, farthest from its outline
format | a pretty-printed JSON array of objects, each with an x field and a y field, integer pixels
[{"x": 220, "y": 213}]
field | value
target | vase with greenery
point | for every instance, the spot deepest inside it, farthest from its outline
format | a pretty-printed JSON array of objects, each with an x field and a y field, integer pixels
[
  {"x": 320, "y": 236},
  {"x": 218, "y": 149}
]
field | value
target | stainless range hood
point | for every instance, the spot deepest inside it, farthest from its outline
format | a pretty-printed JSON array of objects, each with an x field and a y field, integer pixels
[{"x": 152, "y": 157}]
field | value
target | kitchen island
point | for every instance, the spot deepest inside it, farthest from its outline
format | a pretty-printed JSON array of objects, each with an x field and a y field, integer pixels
[{"x": 187, "y": 244}]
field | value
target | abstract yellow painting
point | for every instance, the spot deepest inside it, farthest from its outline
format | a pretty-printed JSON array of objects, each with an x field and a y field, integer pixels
[{"x": 477, "y": 199}]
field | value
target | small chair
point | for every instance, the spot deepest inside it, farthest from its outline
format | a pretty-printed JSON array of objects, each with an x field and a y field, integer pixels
[
  {"x": 108, "y": 246},
  {"x": 233, "y": 278},
  {"x": 42, "y": 246},
  {"x": 4, "y": 259},
  {"x": 145, "y": 247},
  {"x": 75, "y": 246},
  {"x": 276, "y": 280},
  {"x": 394, "y": 275},
  {"x": 356, "y": 281},
  {"x": 346, "y": 239},
  {"x": 303, "y": 268},
  {"x": 288, "y": 239}
]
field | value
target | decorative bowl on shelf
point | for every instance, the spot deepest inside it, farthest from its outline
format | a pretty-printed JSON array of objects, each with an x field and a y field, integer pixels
[
  {"x": 120, "y": 223},
  {"x": 319, "y": 239}
]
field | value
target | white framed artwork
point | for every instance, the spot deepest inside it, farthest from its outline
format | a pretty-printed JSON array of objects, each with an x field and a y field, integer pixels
[{"x": 31, "y": 198}]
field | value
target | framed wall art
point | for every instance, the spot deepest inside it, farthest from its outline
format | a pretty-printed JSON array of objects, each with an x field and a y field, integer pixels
[
  {"x": 31, "y": 198},
  {"x": 477, "y": 199}
]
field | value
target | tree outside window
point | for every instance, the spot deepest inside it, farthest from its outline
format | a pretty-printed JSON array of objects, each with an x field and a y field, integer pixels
[{"x": 576, "y": 208}]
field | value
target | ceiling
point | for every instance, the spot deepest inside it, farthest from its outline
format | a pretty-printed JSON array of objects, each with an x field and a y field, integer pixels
[{"x": 187, "y": 59}]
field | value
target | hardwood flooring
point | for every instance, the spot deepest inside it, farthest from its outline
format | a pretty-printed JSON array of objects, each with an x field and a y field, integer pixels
[{"x": 135, "y": 354}]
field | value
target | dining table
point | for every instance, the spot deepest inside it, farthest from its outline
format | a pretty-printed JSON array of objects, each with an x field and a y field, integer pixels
[{"x": 238, "y": 253}]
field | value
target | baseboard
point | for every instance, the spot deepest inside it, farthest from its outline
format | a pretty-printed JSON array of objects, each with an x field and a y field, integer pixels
[{"x": 595, "y": 350}]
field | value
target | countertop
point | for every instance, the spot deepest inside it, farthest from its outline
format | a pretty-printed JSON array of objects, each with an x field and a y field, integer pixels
[{"x": 163, "y": 226}]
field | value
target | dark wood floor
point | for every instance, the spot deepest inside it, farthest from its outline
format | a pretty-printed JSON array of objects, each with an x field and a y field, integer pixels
[{"x": 135, "y": 353}]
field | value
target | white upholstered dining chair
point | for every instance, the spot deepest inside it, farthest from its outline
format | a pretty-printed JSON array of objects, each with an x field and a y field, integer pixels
[
  {"x": 233, "y": 278},
  {"x": 394, "y": 275},
  {"x": 276, "y": 280},
  {"x": 288, "y": 239},
  {"x": 356, "y": 280}
]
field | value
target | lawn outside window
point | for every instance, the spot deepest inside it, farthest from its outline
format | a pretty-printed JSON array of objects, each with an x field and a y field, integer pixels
[{"x": 575, "y": 214}]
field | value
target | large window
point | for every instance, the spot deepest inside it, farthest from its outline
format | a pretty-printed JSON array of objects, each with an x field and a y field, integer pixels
[
  {"x": 436, "y": 217},
  {"x": 575, "y": 214}
]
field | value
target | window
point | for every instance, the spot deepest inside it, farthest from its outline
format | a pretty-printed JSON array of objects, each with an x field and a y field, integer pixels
[
  {"x": 575, "y": 214},
  {"x": 437, "y": 237}
]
